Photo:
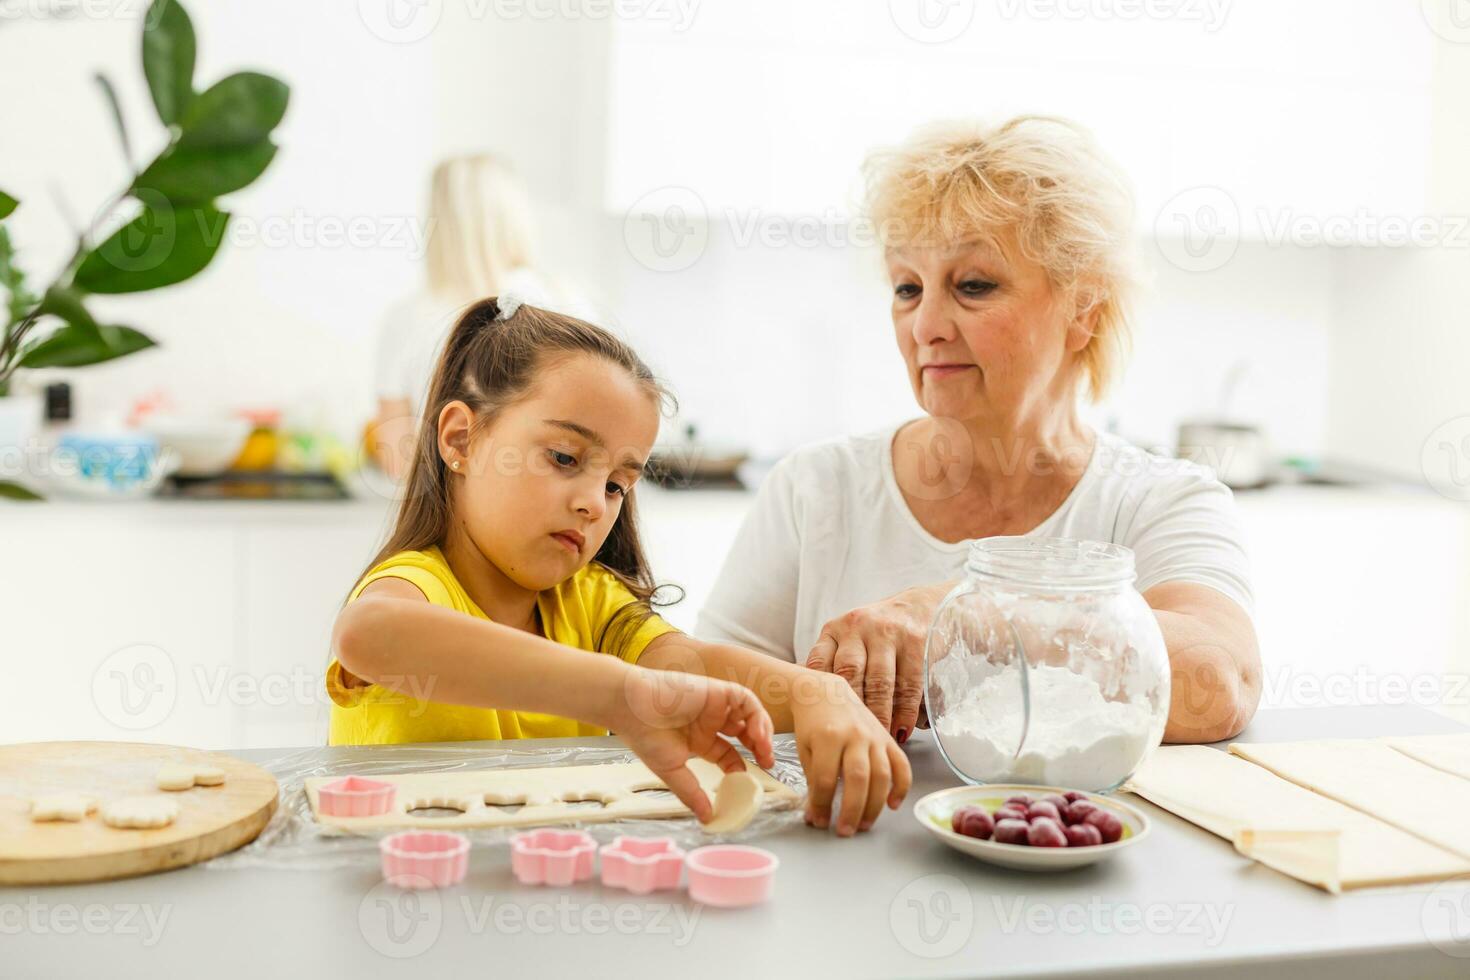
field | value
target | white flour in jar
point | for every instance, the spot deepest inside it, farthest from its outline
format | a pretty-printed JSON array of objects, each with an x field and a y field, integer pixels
[{"x": 1077, "y": 739}]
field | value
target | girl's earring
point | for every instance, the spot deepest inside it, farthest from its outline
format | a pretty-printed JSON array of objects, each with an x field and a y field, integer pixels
[{"x": 454, "y": 465}]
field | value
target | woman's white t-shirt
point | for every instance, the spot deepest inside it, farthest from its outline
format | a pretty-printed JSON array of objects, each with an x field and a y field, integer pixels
[{"x": 829, "y": 531}]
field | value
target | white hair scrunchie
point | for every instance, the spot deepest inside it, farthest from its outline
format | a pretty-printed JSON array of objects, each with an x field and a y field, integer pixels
[{"x": 508, "y": 303}]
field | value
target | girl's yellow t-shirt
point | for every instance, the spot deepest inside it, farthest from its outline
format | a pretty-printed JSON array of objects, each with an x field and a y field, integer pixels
[{"x": 574, "y": 614}]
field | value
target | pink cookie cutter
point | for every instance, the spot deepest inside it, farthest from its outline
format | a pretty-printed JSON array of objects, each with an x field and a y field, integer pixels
[
  {"x": 642, "y": 864},
  {"x": 425, "y": 858},
  {"x": 552, "y": 857},
  {"x": 731, "y": 875},
  {"x": 355, "y": 797}
]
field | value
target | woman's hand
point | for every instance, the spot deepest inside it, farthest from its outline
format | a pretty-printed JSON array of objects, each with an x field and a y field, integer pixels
[
  {"x": 878, "y": 650},
  {"x": 670, "y": 717},
  {"x": 837, "y": 737}
]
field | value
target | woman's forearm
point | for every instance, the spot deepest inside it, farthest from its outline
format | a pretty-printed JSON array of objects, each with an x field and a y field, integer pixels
[
  {"x": 1214, "y": 662},
  {"x": 437, "y": 654}
]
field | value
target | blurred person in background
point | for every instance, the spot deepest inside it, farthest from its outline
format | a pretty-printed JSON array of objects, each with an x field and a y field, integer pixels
[{"x": 481, "y": 242}]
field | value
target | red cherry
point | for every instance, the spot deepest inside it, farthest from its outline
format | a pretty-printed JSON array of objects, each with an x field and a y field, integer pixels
[
  {"x": 1043, "y": 809},
  {"x": 1045, "y": 832},
  {"x": 1077, "y": 811},
  {"x": 976, "y": 823},
  {"x": 1083, "y": 835},
  {"x": 1107, "y": 824},
  {"x": 1011, "y": 832}
]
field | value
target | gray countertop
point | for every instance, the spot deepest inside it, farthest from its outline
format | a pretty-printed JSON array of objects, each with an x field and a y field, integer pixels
[{"x": 893, "y": 902}]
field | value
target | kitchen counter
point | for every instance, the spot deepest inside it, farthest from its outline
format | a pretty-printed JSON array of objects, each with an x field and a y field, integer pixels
[{"x": 893, "y": 902}]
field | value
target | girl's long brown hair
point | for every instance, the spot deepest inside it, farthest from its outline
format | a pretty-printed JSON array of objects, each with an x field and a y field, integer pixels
[{"x": 488, "y": 363}]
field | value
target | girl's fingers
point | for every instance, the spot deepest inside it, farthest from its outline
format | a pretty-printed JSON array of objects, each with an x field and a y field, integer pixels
[
  {"x": 821, "y": 781},
  {"x": 902, "y": 775},
  {"x": 856, "y": 772},
  {"x": 686, "y": 787},
  {"x": 724, "y": 755},
  {"x": 880, "y": 781},
  {"x": 746, "y": 719}
]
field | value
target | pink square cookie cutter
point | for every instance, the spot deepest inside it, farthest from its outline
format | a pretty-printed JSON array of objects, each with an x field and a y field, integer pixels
[
  {"x": 642, "y": 864},
  {"x": 354, "y": 796},
  {"x": 424, "y": 858},
  {"x": 552, "y": 857}
]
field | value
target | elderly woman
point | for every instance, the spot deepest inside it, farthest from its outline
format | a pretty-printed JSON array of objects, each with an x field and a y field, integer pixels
[{"x": 1008, "y": 249}]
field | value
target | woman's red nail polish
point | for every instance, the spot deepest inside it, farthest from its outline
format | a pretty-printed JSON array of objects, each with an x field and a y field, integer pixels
[{"x": 903, "y": 735}]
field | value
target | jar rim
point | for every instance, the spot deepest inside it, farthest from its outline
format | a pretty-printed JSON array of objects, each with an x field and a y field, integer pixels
[{"x": 1063, "y": 564}]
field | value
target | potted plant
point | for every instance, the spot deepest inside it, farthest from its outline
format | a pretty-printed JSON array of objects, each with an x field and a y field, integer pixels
[{"x": 219, "y": 140}]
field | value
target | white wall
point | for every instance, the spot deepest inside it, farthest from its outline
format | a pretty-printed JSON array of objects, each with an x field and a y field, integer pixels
[
  {"x": 768, "y": 344},
  {"x": 1401, "y": 331}
]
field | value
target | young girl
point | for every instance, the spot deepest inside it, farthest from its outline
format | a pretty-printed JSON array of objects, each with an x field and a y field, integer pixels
[{"x": 513, "y": 594}]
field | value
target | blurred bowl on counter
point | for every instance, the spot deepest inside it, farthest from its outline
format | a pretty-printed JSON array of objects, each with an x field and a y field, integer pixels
[
  {"x": 108, "y": 466},
  {"x": 1237, "y": 452},
  {"x": 693, "y": 463},
  {"x": 203, "y": 446}
]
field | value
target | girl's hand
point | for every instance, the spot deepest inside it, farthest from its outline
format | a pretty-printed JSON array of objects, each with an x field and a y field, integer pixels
[
  {"x": 837, "y": 736},
  {"x": 670, "y": 717}
]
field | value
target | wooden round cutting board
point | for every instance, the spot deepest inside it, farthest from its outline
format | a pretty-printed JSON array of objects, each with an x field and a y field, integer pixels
[{"x": 211, "y": 820}]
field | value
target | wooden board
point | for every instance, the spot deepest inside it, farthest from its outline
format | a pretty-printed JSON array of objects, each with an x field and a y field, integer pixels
[
  {"x": 1285, "y": 826},
  {"x": 537, "y": 797},
  {"x": 211, "y": 820},
  {"x": 1377, "y": 779}
]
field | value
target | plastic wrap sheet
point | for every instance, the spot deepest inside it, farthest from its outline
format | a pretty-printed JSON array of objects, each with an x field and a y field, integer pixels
[{"x": 294, "y": 840}]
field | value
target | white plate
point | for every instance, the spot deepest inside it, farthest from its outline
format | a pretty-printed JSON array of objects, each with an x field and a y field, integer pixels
[{"x": 934, "y": 812}]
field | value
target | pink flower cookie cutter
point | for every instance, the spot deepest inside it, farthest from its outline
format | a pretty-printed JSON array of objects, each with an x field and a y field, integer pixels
[
  {"x": 552, "y": 857},
  {"x": 642, "y": 864},
  {"x": 424, "y": 858},
  {"x": 731, "y": 875},
  {"x": 355, "y": 796}
]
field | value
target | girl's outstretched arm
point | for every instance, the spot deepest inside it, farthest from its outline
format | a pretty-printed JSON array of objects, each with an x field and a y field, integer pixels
[{"x": 391, "y": 635}]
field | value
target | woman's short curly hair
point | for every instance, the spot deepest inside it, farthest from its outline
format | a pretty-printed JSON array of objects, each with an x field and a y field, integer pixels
[{"x": 1038, "y": 183}]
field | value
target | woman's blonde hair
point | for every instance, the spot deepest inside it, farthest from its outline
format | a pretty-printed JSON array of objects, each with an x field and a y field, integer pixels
[
  {"x": 480, "y": 227},
  {"x": 1038, "y": 181}
]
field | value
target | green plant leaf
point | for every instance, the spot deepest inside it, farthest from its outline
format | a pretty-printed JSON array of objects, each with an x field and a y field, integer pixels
[
  {"x": 7, "y": 204},
  {"x": 168, "y": 59},
  {"x": 14, "y": 491},
  {"x": 236, "y": 111},
  {"x": 110, "y": 94},
  {"x": 74, "y": 346},
  {"x": 161, "y": 246},
  {"x": 19, "y": 300},
  {"x": 197, "y": 174}
]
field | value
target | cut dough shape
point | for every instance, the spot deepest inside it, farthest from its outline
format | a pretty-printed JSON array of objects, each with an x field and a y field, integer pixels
[
  {"x": 1376, "y": 779},
  {"x": 1448, "y": 752},
  {"x": 1284, "y": 826},
  {"x": 539, "y": 795},
  {"x": 737, "y": 801},
  {"x": 140, "y": 812},
  {"x": 71, "y": 807},
  {"x": 178, "y": 776}
]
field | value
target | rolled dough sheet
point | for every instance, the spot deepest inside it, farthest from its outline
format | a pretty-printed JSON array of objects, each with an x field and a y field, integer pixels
[
  {"x": 538, "y": 797},
  {"x": 1377, "y": 779},
  {"x": 1448, "y": 752},
  {"x": 1287, "y": 827}
]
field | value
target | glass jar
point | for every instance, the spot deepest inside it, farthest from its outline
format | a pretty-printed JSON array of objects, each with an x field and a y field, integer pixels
[{"x": 1046, "y": 666}]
